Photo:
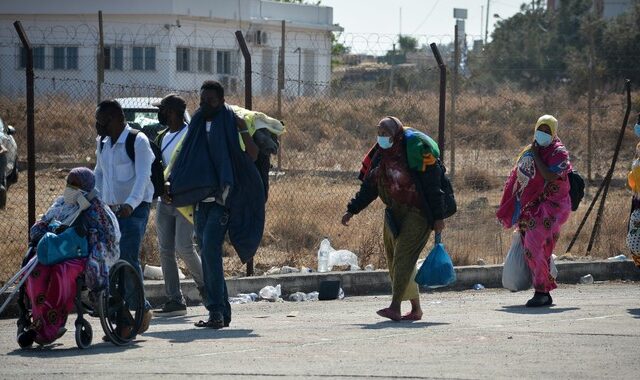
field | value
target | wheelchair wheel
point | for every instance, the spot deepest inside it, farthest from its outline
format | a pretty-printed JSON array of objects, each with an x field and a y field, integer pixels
[
  {"x": 120, "y": 313},
  {"x": 84, "y": 333}
]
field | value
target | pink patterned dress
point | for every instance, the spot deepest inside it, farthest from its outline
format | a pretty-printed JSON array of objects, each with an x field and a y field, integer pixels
[{"x": 538, "y": 208}]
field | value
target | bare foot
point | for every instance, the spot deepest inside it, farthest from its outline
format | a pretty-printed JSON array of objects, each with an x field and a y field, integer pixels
[{"x": 389, "y": 313}]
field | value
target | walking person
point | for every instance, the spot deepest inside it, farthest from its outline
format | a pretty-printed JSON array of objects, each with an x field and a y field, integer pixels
[
  {"x": 174, "y": 231},
  {"x": 536, "y": 200},
  {"x": 214, "y": 174},
  {"x": 124, "y": 184},
  {"x": 633, "y": 180},
  {"x": 415, "y": 206}
]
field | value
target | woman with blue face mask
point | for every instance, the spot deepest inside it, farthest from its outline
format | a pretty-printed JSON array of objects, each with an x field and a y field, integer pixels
[
  {"x": 414, "y": 207},
  {"x": 536, "y": 201}
]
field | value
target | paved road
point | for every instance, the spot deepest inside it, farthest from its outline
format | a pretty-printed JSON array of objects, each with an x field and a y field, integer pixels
[{"x": 592, "y": 332}]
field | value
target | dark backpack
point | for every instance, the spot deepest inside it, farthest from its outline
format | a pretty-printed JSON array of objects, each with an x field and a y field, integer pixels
[
  {"x": 157, "y": 168},
  {"x": 576, "y": 189},
  {"x": 450, "y": 206}
]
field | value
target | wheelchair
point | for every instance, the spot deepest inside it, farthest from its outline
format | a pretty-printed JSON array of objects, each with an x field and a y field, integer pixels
[{"x": 120, "y": 316}]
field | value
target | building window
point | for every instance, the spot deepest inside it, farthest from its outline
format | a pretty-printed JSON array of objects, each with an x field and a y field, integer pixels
[
  {"x": 38, "y": 57},
  {"x": 223, "y": 59},
  {"x": 204, "y": 60},
  {"x": 143, "y": 58},
  {"x": 113, "y": 58},
  {"x": 183, "y": 59},
  {"x": 65, "y": 57}
]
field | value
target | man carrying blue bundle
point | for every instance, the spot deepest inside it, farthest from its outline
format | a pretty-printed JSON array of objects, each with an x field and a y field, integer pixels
[{"x": 212, "y": 173}]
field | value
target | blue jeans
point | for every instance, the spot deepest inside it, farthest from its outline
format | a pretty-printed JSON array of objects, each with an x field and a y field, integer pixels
[
  {"x": 132, "y": 230},
  {"x": 211, "y": 227}
]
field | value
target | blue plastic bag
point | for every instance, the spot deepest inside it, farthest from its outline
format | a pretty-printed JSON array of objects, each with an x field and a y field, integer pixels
[{"x": 437, "y": 270}]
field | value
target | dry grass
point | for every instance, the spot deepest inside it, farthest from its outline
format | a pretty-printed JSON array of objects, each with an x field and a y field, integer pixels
[{"x": 332, "y": 134}]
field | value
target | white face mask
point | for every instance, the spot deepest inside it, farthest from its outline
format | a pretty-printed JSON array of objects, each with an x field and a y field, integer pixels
[
  {"x": 75, "y": 197},
  {"x": 71, "y": 195}
]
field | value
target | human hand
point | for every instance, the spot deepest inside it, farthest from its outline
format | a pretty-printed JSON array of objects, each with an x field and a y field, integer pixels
[
  {"x": 438, "y": 226},
  {"x": 124, "y": 211},
  {"x": 346, "y": 218}
]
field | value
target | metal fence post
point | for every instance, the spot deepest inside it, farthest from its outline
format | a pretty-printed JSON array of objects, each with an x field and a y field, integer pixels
[
  {"x": 100, "y": 58},
  {"x": 248, "y": 90},
  {"x": 454, "y": 93},
  {"x": 280, "y": 88},
  {"x": 31, "y": 140},
  {"x": 248, "y": 96},
  {"x": 596, "y": 224},
  {"x": 443, "y": 94}
]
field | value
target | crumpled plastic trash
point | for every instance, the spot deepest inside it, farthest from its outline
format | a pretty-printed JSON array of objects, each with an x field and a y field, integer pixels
[
  {"x": 586, "y": 279},
  {"x": 243, "y": 298},
  {"x": 343, "y": 257},
  {"x": 313, "y": 296},
  {"x": 369, "y": 268},
  {"x": 297, "y": 297},
  {"x": 478, "y": 287},
  {"x": 618, "y": 258},
  {"x": 281, "y": 270},
  {"x": 287, "y": 269},
  {"x": 152, "y": 272},
  {"x": 270, "y": 293}
]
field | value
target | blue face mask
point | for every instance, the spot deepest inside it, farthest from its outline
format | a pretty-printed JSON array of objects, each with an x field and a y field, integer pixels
[
  {"x": 385, "y": 142},
  {"x": 636, "y": 129},
  {"x": 543, "y": 139}
]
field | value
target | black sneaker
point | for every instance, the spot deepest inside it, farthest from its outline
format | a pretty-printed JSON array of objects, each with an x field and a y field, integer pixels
[
  {"x": 171, "y": 309},
  {"x": 540, "y": 299}
]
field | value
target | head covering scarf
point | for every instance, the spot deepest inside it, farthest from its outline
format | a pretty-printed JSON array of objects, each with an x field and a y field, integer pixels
[
  {"x": 84, "y": 177},
  {"x": 393, "y": 173}
]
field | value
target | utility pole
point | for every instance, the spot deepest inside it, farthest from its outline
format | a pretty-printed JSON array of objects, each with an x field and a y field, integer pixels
[
  {"x": 486, "y": 25},
  {"x": 393, "y": 62},
  {"x": 100, "y": 58},
  {"x": 481, "y": 20}
]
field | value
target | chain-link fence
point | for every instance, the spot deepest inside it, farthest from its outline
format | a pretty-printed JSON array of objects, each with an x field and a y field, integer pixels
[{"x": 331, "y": 106}]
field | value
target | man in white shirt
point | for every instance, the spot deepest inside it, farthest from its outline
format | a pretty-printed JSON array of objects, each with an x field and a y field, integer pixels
[
  {"x": 175, "y": 232},
  {"x": 124, "y": 183}
]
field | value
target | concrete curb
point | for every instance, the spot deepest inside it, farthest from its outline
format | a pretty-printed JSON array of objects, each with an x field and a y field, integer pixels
[{"x": 362, "y": 283}]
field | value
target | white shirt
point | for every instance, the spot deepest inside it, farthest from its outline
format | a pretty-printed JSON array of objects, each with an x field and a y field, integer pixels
[
  {"x": 118, "y": 179},
  {"x": 170, "y": 142}
]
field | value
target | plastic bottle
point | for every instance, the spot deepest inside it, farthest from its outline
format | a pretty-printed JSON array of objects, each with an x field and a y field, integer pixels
[
  {"x": 323, "y": 255},
  {"x": 297, "y": 297},
  {"x": 586, "y": 279}
]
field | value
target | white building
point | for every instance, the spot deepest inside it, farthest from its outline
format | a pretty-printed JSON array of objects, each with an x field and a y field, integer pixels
[{"x": 171, "y": 44}]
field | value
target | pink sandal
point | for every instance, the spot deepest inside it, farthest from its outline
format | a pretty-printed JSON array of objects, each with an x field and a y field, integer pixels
[{"x": 390, "y": 314}]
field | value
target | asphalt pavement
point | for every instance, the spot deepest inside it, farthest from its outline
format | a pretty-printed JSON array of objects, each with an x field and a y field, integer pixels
[{"x": 592, "y": 332}]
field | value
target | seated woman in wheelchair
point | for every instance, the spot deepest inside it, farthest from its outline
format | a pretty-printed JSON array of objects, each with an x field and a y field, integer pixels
[{"x": 51, "y": 289}]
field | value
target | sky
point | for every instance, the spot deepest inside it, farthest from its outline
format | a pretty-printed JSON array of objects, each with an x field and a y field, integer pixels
[{"x": 364, "y": 21}]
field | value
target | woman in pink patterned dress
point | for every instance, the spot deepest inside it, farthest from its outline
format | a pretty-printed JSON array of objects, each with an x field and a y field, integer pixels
[{"x": 536, "y": 200}]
